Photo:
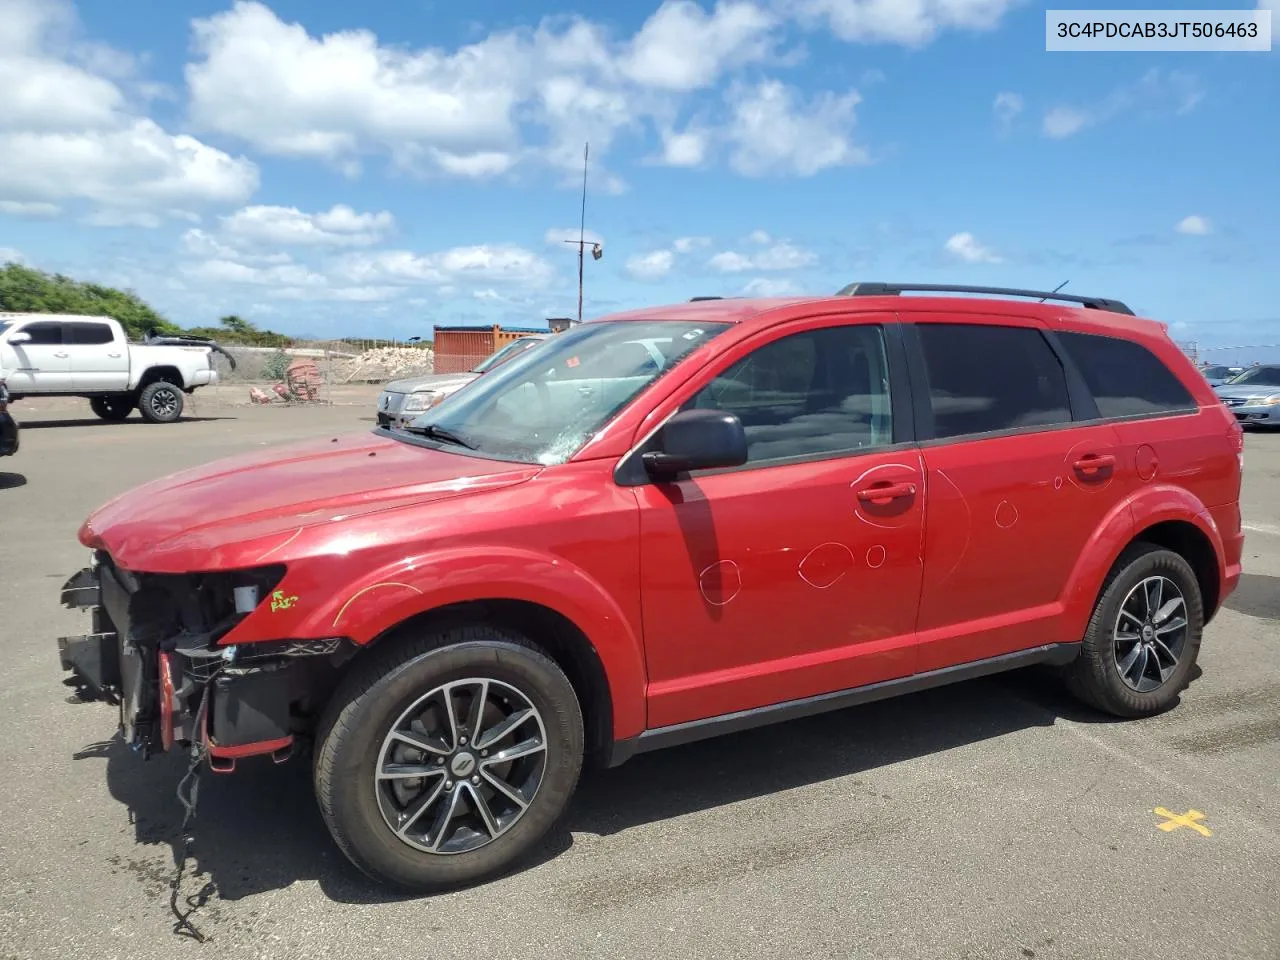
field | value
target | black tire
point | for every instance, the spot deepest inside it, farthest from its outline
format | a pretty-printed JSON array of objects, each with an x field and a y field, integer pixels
[
  {"x": 370, "y": 700},
  {"x": 113, "y": 407},
  {"x": 1095, "y": 677},
  {"x": 160, "y": 402}
]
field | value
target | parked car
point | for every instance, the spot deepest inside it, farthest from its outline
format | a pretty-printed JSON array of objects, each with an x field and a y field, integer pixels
[
  {"x": 53, "y": 355},
  {"x": 404, "y": 400},
  {"x": 664, "y": 525},
  {"x": 8, "y": 426},
  {"x": 1254, "y": 395},
  {"x": 1218, "y": 375}
]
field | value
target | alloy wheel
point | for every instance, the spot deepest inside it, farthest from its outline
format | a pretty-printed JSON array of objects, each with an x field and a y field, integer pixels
[
  {"x": 1150, "y": 633},
  {"x": 461, "y": 766}
]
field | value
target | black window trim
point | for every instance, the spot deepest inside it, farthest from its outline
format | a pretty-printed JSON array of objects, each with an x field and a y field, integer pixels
[
  {"x": 1078, "y": 397},
  {"x": 630, "y": 471}
]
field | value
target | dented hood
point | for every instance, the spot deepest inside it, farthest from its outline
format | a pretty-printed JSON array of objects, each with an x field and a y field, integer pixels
[{"x": 187, "y": 520}]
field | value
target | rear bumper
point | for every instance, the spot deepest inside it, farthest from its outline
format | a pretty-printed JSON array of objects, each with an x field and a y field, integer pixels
[
  {"x": 203, "y": 378},
  {"x": 166, "y": 695}
]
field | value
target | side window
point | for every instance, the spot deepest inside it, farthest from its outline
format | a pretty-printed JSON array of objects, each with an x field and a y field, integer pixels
[
  {"x": 85, "y": 334},
  {"x": 987, "y": 378},
  {"x": 812, "y": 393},
  {"x": 1125, "y": 378},
  {"x": 44, "y": 334}
]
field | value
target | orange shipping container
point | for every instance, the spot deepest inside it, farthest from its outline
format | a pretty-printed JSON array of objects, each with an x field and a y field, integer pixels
[{"x": 458, "y": 349}]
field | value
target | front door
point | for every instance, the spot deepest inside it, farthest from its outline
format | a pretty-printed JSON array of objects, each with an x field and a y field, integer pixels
[
  {"x": 41, "y": 364},
  {"x": 1016, "y": 488},
  {"x": 798, "y": 573}
]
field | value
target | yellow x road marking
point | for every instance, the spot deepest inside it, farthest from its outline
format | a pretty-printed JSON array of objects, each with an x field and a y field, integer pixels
[{"x": 1176, "y": 820}]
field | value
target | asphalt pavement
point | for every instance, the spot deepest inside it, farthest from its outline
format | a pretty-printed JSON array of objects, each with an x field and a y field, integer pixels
[{"x": 993, "y": 819}]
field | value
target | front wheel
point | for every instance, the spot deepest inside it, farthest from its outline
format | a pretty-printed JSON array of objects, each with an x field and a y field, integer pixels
[
  {"x": 1144, "y": 637},
  {"x": 112, "y": 407},
  {"x": 160, "y": 402},
  {"x": 444, "y": 759}
]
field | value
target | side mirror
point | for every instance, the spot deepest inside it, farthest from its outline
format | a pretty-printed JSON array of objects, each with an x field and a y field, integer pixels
[
  {"x": 697, "y": 440},
  {"x": 20, "y": 337}
]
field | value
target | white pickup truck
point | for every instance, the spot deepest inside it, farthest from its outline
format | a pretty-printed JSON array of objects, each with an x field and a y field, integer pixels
[{"x": 63, "y": 355}]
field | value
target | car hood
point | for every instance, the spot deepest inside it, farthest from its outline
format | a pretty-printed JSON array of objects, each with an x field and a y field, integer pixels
[
  {"x": 431, "y": 381},
  {"x": 191, "y": 520},
  {"x": 1245, "y": 391}
]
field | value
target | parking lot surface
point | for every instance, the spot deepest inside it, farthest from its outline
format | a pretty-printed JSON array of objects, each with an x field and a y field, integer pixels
[{"x": 992, "y": 819}]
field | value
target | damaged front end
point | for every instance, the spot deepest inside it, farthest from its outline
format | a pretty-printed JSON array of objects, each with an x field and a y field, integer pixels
[{"x": 155, "y": 652}]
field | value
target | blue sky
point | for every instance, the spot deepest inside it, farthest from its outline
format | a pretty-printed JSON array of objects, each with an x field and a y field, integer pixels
[{"x": 370, "y": 169}]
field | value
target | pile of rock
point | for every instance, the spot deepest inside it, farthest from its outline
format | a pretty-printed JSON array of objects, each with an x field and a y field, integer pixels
[{"x": 384, "y": 363}]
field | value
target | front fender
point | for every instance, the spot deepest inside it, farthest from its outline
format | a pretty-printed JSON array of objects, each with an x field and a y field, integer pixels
[
  {"x": 379, "y": 600},
  {"x": 1142, "y": 510}
]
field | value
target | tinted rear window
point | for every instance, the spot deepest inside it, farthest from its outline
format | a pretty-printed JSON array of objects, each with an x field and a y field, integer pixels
[
  {"x": 89, "y": 333},
  {"x": 1125, "y": 378},
  {"x": 988, "y": 378}
]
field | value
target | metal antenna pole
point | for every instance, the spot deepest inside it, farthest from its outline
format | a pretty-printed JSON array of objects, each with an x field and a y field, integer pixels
[
  {"x": 1056, "y": 289},
  {"x": 582, "y": 225}
]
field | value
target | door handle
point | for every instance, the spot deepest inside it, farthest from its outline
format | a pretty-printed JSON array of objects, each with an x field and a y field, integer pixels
[
  {"x": 62, "y": 356},
  {"x": 113, "y": 355},
  {"x": 886, "y": 492},
  {"x": 1095, "y": 462}
]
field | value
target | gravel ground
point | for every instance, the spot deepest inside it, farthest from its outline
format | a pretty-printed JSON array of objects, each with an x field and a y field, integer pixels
[{"x": 992, "y": 819}]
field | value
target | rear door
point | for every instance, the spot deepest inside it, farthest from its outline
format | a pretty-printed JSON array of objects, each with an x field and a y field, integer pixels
[
  {"x": 1017, "y": 484},
  {"x": 799, "y": 572},
  {"x": 99, "y": 361},
  {"x": 42, "y": 364}
]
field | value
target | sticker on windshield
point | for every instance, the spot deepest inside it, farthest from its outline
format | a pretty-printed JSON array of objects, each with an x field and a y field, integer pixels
[
  {"x": 694, "y": 334},
  {"x": 572, "y": 362}
]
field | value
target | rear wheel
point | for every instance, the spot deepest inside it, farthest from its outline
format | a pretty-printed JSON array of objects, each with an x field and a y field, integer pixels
[
  {"x": 444, "y": 760},
  {"x": 112, "y": 407},
  {"x": 1144, "y": 636},
  {"x": 160, "y": 402}
]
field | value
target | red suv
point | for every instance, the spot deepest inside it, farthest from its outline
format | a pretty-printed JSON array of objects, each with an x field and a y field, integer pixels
[{"x": 664, "y": 525}]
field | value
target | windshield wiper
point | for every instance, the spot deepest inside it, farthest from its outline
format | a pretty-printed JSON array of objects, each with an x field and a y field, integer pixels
[{"x": 433, "y": 432}]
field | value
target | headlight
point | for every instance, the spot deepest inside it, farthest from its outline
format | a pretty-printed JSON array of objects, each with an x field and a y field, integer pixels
[
  {"x": 1270, "y": 401},
  {"x": 424, "y": 400}
]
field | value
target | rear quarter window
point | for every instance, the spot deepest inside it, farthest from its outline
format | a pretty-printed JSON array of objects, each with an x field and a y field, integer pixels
[{"x": 1125, "y": 378}]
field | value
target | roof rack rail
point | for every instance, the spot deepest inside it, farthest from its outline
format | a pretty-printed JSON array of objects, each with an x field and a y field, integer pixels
[
  {"x": 696, "y": 299},
  {"x": 893, "y": 289}
]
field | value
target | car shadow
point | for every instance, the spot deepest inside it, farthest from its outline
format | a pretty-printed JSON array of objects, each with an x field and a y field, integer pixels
[
  {"x": 1257, "y": 595},
  {"x": 261, "y": 830},
  {"x": 8, "y": 481},
  {"x": 95, "y": 421}
]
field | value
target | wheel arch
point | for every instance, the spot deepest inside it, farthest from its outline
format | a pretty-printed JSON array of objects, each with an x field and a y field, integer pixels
[
  {"x": 1193, "y": 545},
  {"x": 166, "y": 373},
  {"x": 562, "y": 639}
]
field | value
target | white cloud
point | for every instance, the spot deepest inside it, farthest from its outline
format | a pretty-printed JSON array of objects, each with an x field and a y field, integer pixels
[
  {"x": 650, "y": 266},
  {"x": 1006, "y": 108},
  {"x": 1063, "y": 122},
  {"x": 115, "y": 217},
  {"x": 340, "y": 226},
  {"x": 908, "y": 22},
  {"x": 682, "y": 48},
  {"x": 1194, "y": 225},
  {"x": 688, "y": 148},
  {"x": 500, "y": 263},
  {"x": 135, "y": 165},
  {"x": 68, "y": 131},
  {"x": 758, "y": 236},
  {"x": 782, "y": 255},
  {"x": 689, "y": 244},
  {"x": 966, "y": 248},
  {"x": 1156, "y": 93},
  {"x": 11, "y": 255},
  {"x": 768, "y": 287},
  {"x": 34, "y": 209},
  {"x": 562, "y": 236},
  {"x": 774, "y": 132}
]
